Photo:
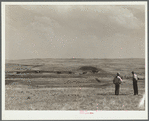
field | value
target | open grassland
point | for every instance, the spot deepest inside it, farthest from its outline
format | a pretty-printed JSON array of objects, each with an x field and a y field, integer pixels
[{"x": 72, "y": 84}]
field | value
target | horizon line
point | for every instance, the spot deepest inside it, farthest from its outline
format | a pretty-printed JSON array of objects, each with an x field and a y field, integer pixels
[{"x": 69, "y": 58}]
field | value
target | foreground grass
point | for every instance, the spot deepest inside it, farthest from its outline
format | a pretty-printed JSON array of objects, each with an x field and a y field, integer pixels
[{"x": 72, "y": 99}]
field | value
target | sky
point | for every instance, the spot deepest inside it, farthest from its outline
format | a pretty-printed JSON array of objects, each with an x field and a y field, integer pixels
[{"x": 74, "y": 31}]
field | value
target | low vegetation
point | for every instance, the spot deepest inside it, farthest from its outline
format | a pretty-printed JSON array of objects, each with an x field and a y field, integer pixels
[{"x": 80, "y": 84}]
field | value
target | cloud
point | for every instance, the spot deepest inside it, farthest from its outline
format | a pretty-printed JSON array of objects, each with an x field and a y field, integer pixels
[
  {"x": 126, "y": 18},
  {"x": 100, "y": 31},
  {"x": 82, "y": 17},
  {"x": 47, "y": 21},
  {"x": 40, "y": 27},
  {"x": 127, "y": 21},
  {"x": 120, "y": 15}
]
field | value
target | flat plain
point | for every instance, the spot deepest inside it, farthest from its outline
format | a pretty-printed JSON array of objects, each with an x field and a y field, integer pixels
[{"x": 72, "y": 84}]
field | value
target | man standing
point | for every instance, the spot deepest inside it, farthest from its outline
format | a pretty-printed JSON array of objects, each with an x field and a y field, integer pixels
[
  {"x": 117, "y": 81},
  {"x": 135, "y": 86}
]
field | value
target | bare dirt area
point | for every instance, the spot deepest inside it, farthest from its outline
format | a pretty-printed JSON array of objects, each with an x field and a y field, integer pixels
[{"x": 72, "y": 84}]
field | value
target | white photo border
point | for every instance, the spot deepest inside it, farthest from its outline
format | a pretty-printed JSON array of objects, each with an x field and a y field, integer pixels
[{"x": 72, "y": 115}]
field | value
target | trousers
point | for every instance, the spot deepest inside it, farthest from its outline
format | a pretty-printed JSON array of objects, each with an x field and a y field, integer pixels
[
  {"x": 135, "y": 87},
  {"x": 117, "y": 87}
]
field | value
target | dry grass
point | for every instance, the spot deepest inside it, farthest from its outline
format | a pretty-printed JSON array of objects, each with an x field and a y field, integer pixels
[{"x": 49, "y": 90}]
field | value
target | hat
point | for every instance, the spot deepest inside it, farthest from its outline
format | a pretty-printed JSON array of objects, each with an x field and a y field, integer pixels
[{"x": 118, "y": 74}]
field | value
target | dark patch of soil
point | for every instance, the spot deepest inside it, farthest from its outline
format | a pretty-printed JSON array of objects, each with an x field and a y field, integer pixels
[{"x": 89, "y": 68}]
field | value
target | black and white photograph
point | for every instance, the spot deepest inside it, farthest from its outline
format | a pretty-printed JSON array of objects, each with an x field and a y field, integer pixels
[{"x": 74, "y": 60}]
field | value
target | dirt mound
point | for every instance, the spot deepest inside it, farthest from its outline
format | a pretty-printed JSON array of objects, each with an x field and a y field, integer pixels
[
  {"x": 89, "y": 68},
  {"x": 94, "y": 70}
]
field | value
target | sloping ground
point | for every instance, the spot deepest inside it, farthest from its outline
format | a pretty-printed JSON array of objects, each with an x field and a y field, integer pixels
[
  {"x": 89, "y": 68},
  {"x": 46, "y": 84},
  {"x": 78, "y": 98},
  {"x": 124, "y": 66},
  {"x": 53, "y": 71},
  {"x": 58, "y": 83},
  {"x": 66, "y": 70}
]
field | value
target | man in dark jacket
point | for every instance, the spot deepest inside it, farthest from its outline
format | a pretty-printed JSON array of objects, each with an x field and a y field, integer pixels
[
  {"x": 117, "y": 81},
  {"x": 135, "y": 86}
]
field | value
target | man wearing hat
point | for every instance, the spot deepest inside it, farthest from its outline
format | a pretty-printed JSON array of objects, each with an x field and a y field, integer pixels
[
  {"x": 117, "y": 81},
  {"x": 135, "y": 86}
]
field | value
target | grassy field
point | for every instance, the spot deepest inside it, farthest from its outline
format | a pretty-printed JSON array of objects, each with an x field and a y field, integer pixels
[{"x": 72, "y": 84}]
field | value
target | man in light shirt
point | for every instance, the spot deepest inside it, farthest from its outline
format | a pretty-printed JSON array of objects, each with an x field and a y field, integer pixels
[
  {"x": 135, "y": 86},
  {"x": 117, "y": 81}
]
